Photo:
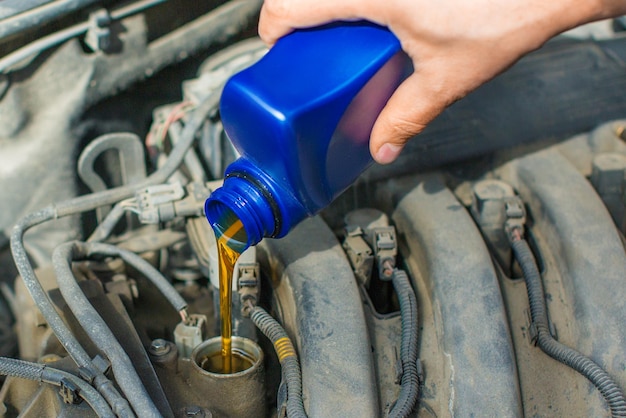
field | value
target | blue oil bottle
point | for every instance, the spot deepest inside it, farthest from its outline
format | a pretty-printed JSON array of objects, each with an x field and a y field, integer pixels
[{"x": 301, "y": 118}]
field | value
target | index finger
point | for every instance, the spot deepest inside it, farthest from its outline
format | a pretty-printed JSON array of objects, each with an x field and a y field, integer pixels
[{"x": 280, "y": 17}]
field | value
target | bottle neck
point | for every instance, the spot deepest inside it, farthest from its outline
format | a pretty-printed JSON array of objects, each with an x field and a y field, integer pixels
[
  {"x": 265, "y": 207},
  {"x": 242, "y": 199}
]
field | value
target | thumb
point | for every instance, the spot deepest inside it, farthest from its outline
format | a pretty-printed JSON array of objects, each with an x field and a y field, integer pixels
[{"x": 412, "y": 106}]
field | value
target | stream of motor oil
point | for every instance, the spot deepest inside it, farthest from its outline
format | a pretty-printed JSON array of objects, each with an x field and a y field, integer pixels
[{"x": 227, "y": 257}]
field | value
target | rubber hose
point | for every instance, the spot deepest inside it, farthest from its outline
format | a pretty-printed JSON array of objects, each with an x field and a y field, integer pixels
[
  {"x": 106, "y": 226},
  {"x": 82, "y": 204},
  {"x": 85, "y": 203},
  {"x": 175, "y": 158},
  {"x": 192, "y": 162},
  {"x": 287, "y": 357},
  {"x": 56, "y": 38},
  {"x": 99, "y": 333},
  {"x": 40, "y": 15},
  {"x": 88, "y": 250},
  {"x": 611, "y": 392},
  {"x": 64, "y": 335},
  {"x": 410, "y": 382},
  {"x": 42, "y": 373}
]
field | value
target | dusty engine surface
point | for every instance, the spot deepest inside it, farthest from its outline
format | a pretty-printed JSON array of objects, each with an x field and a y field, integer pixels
[{"x": 482, "y": 274}]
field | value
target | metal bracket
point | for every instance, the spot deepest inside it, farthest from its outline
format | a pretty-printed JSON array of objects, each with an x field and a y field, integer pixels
[
  {"x": 98, "y": 36},
  {"x": 86, "y": 374},
  {"x": 69, "y": 392},
  {"x": 398, "y": 367},
  {"x": 102, "y": 364},
  {"x": 532, "y": 328}
]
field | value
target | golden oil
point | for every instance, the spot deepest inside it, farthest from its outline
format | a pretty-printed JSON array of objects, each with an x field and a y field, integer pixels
[
  {"x": 228, "y": 231},
  {"x": 214, "y": 363}
]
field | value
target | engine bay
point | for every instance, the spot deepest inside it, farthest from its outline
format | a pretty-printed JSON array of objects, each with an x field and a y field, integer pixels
[{"x": 410, "y": 292}]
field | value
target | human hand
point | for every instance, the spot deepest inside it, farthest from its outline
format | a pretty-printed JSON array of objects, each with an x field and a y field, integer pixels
[{"x": 455, "y": 45}]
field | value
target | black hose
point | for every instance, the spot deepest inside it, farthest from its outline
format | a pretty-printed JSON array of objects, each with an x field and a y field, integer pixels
[
  {"x": 410, "y": 382},
  {"x": 96, "y": 328},
  {"x": 14, "y": 7},
  {"x": 106, "y": 226},
  {"x": 38, "y": 16},
  {"x": 42, "y": 373},
  {"x": 63, "y": 35},
  {"x": 192, "y": 162},
  {"x": 83, "y": 204},
  {"x": 175, "y": 158},
  {"x": 4, "y": 240},
  {"x": 64, "y": 335},
  {"x": 611, "y": 392},
  {"x": 287, "y": 357},
  {"x": 84, "y": 250}
]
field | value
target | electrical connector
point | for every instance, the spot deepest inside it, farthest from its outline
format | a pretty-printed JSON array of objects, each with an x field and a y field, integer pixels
[
  {"x": 359, "y": 254},
  {"x": 189, "y": 334},
  {"x": 248, "y": 286},
  {"x": 164, "y": 202},
  {"x": 385, "y": 247}
]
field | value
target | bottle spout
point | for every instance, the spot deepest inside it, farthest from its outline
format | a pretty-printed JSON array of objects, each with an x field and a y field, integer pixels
[
  {"x": 227, "y": 225},
  {"x": 242, "y": 213}
]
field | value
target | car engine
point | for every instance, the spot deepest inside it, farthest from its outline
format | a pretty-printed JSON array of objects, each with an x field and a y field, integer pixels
[{"x": 481, "y": 274}]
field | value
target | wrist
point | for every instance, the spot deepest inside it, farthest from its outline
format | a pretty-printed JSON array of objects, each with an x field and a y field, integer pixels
[
  {"x": 551, "y": 19},
  {"x": 612, "y": 8},
  {"x": 587, "y": 11}
]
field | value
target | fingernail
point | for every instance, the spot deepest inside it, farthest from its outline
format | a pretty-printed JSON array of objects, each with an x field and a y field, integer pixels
[{"x": 387, "y": 153}]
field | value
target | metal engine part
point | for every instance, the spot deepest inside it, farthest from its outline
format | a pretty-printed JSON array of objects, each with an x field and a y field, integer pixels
[{"x": 541, "y": 148}]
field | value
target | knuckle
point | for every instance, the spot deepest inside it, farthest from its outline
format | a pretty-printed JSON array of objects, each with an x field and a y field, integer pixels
[
  {"x": 401, "y": 128},
  {"x": 277, "y": 8},
  {"x": 273, "y": 22}
]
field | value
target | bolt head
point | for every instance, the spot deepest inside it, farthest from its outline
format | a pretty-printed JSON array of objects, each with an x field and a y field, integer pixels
[
  {"x": 608, "y": 173},
  {"x": 159, "y": 347},
  {"x": 486, "y": 190},
  {"x": 488, "y": 201},
  {"x": 194, "y": 411}
]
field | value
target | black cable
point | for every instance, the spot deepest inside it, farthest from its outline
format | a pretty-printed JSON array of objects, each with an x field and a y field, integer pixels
[
  {"x": 42, "y": 373},
  {"x": 410, "y": 381},
  {"x": 611, "y": 392},
  {"x": 54, "y": 320},
  {"x": 96, "y": 328},
  {"x": 287, "y": 357}
]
